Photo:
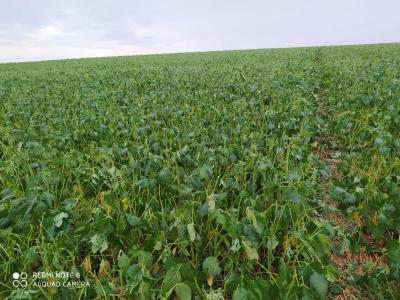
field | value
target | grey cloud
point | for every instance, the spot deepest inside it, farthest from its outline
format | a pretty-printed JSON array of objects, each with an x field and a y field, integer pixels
[{"x": 35, "y": 30}]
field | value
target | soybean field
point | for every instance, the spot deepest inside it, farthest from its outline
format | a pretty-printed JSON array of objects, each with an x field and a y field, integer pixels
[{"x": 258, "y": 174}]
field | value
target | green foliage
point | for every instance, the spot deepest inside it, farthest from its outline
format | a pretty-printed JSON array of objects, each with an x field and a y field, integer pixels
[
  {"x": 230, "y": 174},
  {"x": 183, "y": 291},
  {"x": 99, "y": 243},
  {"x": 58, "y": 219},
  {"x": 251, "y": 252},
  {"x": 171, "y": 280},
  {"x": 211, "y": 266},
  {"x": 319, "y": 283}
]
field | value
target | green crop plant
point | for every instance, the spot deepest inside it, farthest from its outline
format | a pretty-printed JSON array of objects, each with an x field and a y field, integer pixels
[{"x": 260, "y": 174}]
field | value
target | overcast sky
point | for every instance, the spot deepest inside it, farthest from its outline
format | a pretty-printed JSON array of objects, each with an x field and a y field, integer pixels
[{"x": 50, "y": 29}]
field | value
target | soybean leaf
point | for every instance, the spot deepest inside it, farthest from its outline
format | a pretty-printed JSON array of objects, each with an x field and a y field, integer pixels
[
  {"x": 192, "y": 233},
  {"x": 183, "y": 291},
  {"x": 99, "y": 243},
  {"x": 251, "y": 252},
  {"x": 242, "y": 294},
  {"x": 211, "y": 266},
  {"x": 171, "y": 279},
  {"x": 58, "y": 219},
  {"x": 319, "y": 284}
]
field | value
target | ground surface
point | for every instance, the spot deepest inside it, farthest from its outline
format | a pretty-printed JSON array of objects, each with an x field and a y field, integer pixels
[{"x": 267, "y": 174}]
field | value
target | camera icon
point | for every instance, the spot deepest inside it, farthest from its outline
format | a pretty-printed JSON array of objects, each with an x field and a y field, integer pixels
[{"x": 20, "y": 279}]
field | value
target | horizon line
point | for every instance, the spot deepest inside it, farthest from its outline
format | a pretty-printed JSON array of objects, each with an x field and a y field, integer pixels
[{"x": 193, "y": 52}]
